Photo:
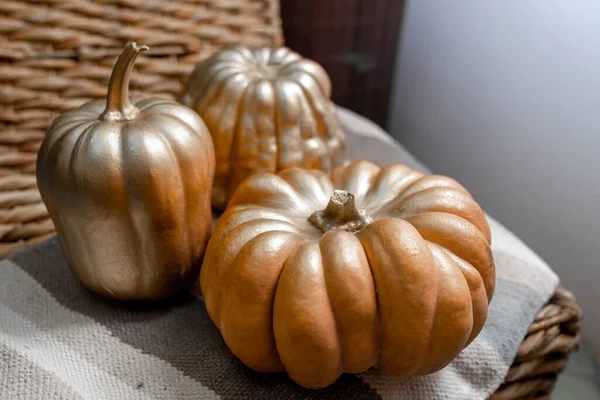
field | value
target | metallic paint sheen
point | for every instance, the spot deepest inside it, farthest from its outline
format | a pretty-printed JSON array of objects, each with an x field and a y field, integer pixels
[
  {"x": 267, "y": 109},
  {"x": 128, "y": 189}
]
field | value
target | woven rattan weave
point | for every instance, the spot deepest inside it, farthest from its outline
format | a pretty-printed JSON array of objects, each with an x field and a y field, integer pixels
[{"x": 56, "y": 55}]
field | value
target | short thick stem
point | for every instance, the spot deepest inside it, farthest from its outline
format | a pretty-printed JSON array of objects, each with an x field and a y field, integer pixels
[
  {"x": 341, "y": 213},
  {"x": 118, "y": 106}
]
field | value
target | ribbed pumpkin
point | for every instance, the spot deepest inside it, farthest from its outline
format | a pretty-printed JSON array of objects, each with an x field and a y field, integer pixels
[
  {"x": 267, "y": 109},
  {"x": 128, "y": 189},
  {"x": 393, "y": 271}
]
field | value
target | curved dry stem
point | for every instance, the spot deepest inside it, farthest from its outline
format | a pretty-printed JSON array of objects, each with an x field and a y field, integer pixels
[{"x": 118, "y": 106}]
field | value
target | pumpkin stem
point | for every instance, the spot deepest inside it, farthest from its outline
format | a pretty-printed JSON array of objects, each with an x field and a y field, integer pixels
[
  {"x": 118, "y": 106},
  {"x": 341, "y": 213}
]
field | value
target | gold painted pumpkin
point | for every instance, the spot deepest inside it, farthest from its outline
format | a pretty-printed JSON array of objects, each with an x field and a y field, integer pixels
[
  {"x": 267, "y": 109},
  {"x": 393, "y": 271},
  {"x": 128, "y": 189}
]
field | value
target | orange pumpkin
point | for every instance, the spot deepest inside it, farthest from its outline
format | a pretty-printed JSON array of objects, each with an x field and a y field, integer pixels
[{"x": 393, "y": 271}]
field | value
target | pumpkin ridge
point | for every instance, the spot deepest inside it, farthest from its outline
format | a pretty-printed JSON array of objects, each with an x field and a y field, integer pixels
[
  {"x": 208, "y": 89},
  {"x": 234, "y": 49},
  {"x": 427, "y": 353},
  {"x": 249, "y": 211},
  {"x": 437, "y": 251},
  {"x": 372, "y": 203},
  {"x": 395, "y": 356},
  {"x": 213, "y": 92},
  {"x": 263, "y": 123},
  {"x": 274, "y": 57},
  {"x": 263, "y": 190},
  {"x": 147, "y": 106},
  {"x": 52, "y": 146},
  {"x": 246, "y": 258},
  {"x": 428, "y": 200},
  {"x": 207, "y": 153},
  {"x": 317, "y": 109},
  {"x": 215, "y": 240},
  {"x": 465, "y": 267},
  {"x": 141, "y": 224},
  {"x": 233, "y": 161},
  {"x": 315, "y": 153},
  {"x": 93, "y": 109},
  {"x": 224, "y": 140},
  {"x": 256, "y": 220},
  {"x": 282, "y": 56},
  {"x": 217, "y": 268},
  {"x": 289, "y": 56},
  {"x": 145, "y": 103},
  {"x": 276, "y": 125},
  {"x": 307, "y": 90},
  {"x": 378, "y": 336},
  {"x": 302, "y": 66},
  {"x": 356, "y": 178},
  {"x": 289, "y": 137},
  {"x": 206, "y": 145},
  {"x": 424, "y": 191},
  {"x": 259, "y": 64},
  {"x": 73, "y": 158},
  {"x": 265, "y": 55},
  {"x": 185, "y": 226},
  {"x": 60, "y": 124},
  {"x": 87, "y": 131},
  {"x": 332, "y": 311},
  {"x": 349, "y": 293},
  {"x": 432, "y": 181},
  {"x": 140, "y": 257},
  {"x": 306, "y": 343},
  {"x": 124, "y": 199},
  {"x": 322, "y": 129},
  {"x": 294, "y": 178},
  {"x": 443, "y": 240}
]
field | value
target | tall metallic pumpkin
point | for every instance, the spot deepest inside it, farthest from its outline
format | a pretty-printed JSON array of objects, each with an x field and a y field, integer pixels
[
  {"x": 267, "y": 109},
  {"x": 128, "y": 189}
]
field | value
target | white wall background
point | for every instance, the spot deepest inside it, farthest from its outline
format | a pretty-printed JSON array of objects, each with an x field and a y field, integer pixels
[{"x": 505, "y": 96}]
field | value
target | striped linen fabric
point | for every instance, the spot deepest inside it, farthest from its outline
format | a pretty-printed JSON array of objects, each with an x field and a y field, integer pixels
[{"x": 59, "y": 341}]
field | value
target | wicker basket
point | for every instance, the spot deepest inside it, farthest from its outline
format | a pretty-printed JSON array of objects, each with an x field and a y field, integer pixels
[
  {"x": 57, "y": 54},
  {"x": 545, "y": 350}
]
